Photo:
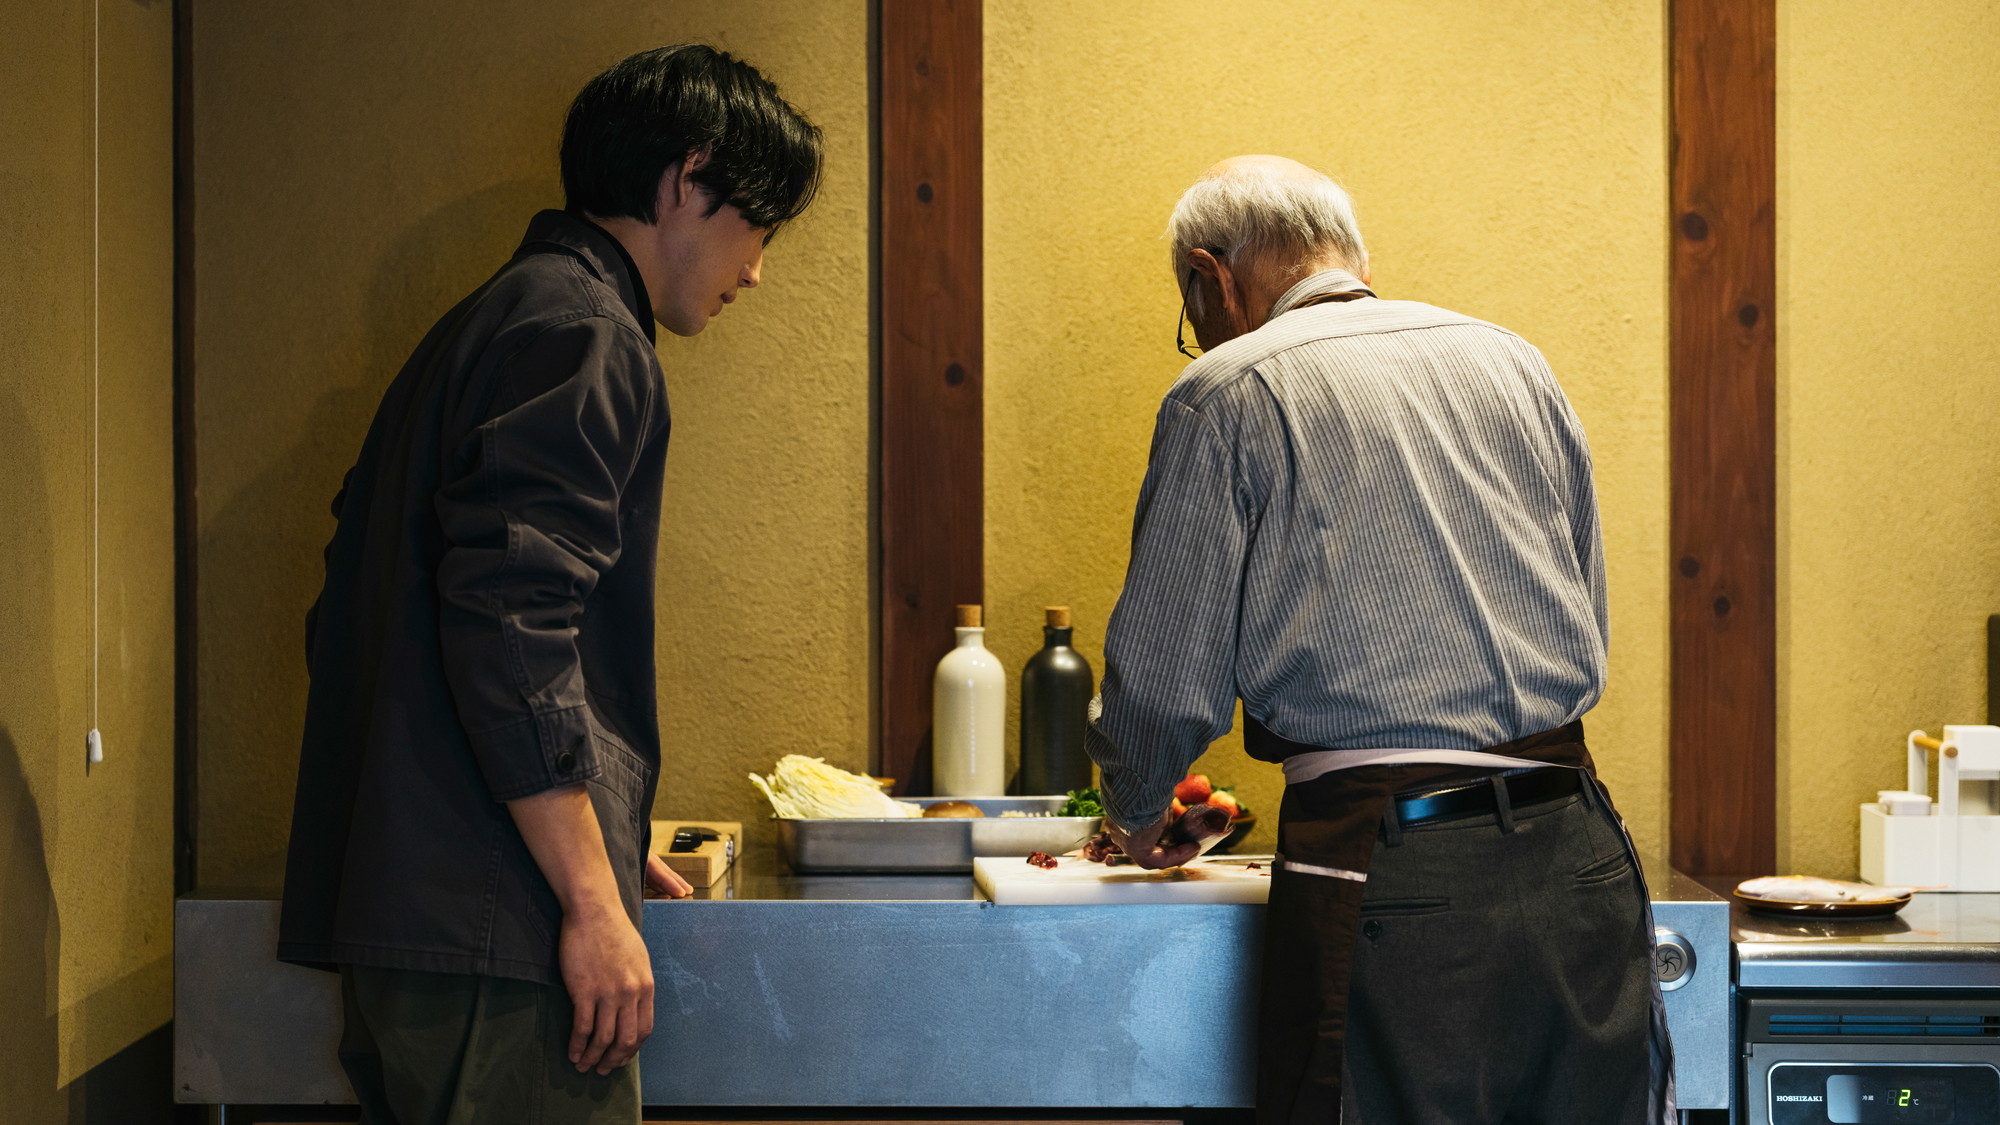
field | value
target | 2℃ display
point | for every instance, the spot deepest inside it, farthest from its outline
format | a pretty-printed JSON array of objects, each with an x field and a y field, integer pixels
[{"x": 1893, "y": 1098}]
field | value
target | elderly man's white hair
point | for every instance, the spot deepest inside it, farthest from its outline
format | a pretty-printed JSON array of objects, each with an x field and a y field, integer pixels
[{"x": 1263, "y": 207}]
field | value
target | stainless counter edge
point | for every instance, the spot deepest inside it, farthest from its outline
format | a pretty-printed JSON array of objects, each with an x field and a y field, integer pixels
[{"x": 1815, "y": 965}]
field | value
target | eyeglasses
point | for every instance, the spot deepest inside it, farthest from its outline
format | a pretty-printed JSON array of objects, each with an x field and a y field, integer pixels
[{"x": 1180, "y": 329}]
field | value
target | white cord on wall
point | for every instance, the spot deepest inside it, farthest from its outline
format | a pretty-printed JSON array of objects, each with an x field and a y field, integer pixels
[{"x": 94, "y": 742}]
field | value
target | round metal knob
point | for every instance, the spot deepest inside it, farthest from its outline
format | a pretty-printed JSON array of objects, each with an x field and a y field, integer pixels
[{"x": 1673, "y": 959}]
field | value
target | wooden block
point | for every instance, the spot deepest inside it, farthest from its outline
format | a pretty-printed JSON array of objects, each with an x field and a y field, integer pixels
[{"x": 705, "y": 866}]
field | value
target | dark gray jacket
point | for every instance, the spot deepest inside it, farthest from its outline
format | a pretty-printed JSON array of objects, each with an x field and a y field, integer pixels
[{"x": 486, "y": 627}]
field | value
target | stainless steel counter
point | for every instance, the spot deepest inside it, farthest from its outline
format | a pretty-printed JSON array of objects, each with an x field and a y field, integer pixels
[
  {"x": 778, "y": 989},
  {"x": 1937, "y": 941},
  {"x": 1901, "y": 995}
]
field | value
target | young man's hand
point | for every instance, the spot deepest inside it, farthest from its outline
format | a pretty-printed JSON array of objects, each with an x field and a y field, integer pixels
[
  {"x": 609, "y": 975},
  {"x": 605, "y": 966},
  {"x": 662, "y": 879},
  {"x": 1145, "y": 848}
]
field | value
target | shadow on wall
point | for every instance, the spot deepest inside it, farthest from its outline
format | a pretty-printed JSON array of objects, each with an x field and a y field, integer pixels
[
  {"x": 28, "y": 944},
  {"x": 135, "y": 1085},
  {"x": 273, "y": 529},
  {"x": 29, "y": 937}
]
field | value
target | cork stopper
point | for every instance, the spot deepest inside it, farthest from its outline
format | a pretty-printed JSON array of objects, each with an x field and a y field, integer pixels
[
  {"x": 969, "y": 617},
  {"x": 1058, "y": 616}
]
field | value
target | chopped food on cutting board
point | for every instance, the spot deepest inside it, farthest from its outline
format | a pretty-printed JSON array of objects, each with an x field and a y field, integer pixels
[
  {"x": 1070, "y": 880},
  {"x": 1812, "y": 888}
]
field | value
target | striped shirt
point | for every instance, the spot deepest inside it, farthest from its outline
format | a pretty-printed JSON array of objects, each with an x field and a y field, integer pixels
[{"x": 1372, "y": 521}]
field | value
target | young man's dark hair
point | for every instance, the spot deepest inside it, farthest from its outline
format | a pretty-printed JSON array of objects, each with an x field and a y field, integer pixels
[{"x": 647, "y": 113}]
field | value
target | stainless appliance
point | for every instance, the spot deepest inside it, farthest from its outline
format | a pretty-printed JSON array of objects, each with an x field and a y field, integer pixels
[{"x": 1892, "y": 1020}]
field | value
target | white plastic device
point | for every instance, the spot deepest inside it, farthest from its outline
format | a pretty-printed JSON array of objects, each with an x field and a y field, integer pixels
[
  {"x": 1957, "y": 846},
  {"x": 1902, "y": 802}
]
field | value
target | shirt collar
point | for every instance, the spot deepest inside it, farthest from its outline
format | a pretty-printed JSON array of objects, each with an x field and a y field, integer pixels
[
  {"x": 605, "y": 256},
  {"x": 1325, "y": 281}
]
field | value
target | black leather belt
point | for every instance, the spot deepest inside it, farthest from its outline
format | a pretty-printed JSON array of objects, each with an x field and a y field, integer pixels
[{"x": 1528, "y": 787}]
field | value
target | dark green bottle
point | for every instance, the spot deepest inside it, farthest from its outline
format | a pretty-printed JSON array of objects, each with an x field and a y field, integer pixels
[{"x": 1056, "y": 687}]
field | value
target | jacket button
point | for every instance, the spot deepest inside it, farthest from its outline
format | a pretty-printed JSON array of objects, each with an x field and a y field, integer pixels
[
  {"x": 565, "y": 762},
  {"x": 1371, "y": 930}
]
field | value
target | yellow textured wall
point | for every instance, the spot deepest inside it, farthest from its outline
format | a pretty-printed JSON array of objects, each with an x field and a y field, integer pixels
[
  {"x": 1507, "y": 160},
  {"x": 86, "y": 868},
  {"x": 360, "y": 167},
  {"x": 1889, "y": 379}
]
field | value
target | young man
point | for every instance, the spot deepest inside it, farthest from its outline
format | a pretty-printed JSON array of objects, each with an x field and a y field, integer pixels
[
  {"x": 1374, "y": 523},
  {"x": 469, "y": 838}
]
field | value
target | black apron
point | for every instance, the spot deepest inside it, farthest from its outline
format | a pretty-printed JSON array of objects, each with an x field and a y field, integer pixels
[{"x": 1313, "y": 920}]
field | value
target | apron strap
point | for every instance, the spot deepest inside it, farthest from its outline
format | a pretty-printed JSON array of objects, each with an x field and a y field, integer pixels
[{"x": 1300, "y": 768}]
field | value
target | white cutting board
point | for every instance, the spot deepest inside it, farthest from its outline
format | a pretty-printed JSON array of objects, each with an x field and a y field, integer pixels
[{"x": 1073, "y": 881}]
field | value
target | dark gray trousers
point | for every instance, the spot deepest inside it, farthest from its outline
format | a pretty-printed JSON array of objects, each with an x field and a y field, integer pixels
[
  {"x": 1501, "y": 977},
  {"x": 454, "y": 1049}
]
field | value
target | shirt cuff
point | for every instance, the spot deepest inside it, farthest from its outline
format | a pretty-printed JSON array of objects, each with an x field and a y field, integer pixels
[
  {"x": 547, "y": 751},
  {"x": 1132, "y": 802}
]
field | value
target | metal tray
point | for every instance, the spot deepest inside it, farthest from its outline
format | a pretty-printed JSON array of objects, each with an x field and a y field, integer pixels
[{"x": 931, "y": 844}]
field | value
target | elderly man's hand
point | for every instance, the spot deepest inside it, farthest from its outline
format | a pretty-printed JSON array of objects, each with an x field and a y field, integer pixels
[{"x": 1145, "y": 848}]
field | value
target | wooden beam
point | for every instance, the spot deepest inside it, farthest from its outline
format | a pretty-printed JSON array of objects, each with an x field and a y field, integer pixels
[
  {"x": 930, "y": 327},
  {"x": 1724, "y": 437},
  {"x": 187, "y": 528},
  {"x": 1993, "y": 669}
]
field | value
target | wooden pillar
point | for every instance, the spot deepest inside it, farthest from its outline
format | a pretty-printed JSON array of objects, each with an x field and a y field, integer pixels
[
  {"x": 1724, "y": 437},
  {"x": 187, "y": 512},
  {"x": 931, "y": 495}
]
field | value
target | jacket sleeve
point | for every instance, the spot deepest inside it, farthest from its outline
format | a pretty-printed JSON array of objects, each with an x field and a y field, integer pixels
[
  {"x": 1170, "y": 650},
  {"x": 531, "y": 523},
  {"x": 312, "y": 614}
]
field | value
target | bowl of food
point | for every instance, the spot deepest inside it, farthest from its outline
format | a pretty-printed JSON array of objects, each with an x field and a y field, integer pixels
[{"x": 1197, "y": 789}]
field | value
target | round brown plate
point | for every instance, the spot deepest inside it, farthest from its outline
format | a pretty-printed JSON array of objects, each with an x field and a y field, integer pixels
[{"x": 1822, "y": 909}]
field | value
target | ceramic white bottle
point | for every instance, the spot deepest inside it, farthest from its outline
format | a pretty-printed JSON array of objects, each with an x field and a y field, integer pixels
[{"x": 969, "y": 716}]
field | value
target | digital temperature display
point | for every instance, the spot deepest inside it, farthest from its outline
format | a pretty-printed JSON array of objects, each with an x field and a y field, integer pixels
[
  {"x": 1888, "y": 1099},
  {"x": 1885, "y": 1093}
]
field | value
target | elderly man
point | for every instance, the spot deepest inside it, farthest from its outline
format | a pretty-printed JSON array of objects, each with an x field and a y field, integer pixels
[{"x": 1373, "y": 522}]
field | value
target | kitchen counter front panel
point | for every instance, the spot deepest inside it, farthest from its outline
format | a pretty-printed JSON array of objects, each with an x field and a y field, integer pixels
[
  {"x": 946, "y": 1004},
  {"x": 773, "y": 989}
]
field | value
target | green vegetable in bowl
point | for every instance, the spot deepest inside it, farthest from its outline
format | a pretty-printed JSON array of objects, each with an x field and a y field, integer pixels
[{"x": 1082, "y": 802}]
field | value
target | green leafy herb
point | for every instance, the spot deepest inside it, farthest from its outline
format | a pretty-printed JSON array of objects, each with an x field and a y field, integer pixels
[{"x": 1082, "y": 802}]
